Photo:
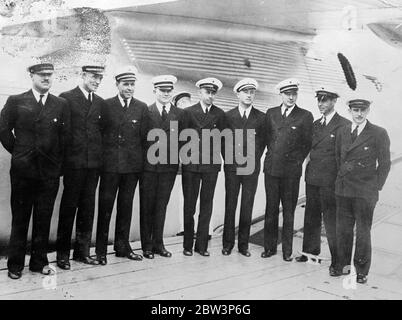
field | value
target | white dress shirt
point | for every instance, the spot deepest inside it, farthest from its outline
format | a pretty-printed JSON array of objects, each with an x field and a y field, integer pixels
[
  {"x": 248, "y": 110},
  {"x": 328, "y": 117},
  {"x": 283, "y": 108},
  {"x": 361, "y": 127},
  {"x": 160, "y": 107},
  {"x": 122, "y": 101},
  {"x": 37, "y": 96},
  {"x": 204, "y": 107},
  {"x": 85, "y": 93}
]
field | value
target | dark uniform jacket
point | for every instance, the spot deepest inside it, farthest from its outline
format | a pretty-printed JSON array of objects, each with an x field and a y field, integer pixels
[
  {"x": 85, "y": 148},
  {"x": 155, "y": 122},
  {"x": 321, "y": 170},
  {"x": 124, "y": 136},
  {"x": 288, "y": 141},
  {"x": 364, "y": 164},
  {"x": 38, "y": 141},
  {"x": 255, "y": 121},
  {"x": 195, "y": 118}
]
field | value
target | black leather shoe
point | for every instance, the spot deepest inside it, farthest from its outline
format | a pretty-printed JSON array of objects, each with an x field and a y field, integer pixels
[
  {"x": 226, "y": 252},
  {"x": 361, "y": 278},
  {"x": 102, "y": 260},
  {"x": 245, "y": 253},
  {"x": 187, "y": 252},
  {"x": 148, "y": 254},
  {"x": 46, "y": 270},
  {"x": 14, "y": 274},
  {"x": 333, "y": 272},
  {"x": 336, "y": 272},
  {"x": 301, "y": 259},
  {"x": 86, "y": 260},
  {"x": 202, "y": 253},
  {"x": 63, "y": 264},
  {"x": 268, "y": 253},
  {"x": 131, "y": 255},
  {"x": 287, "y": 258},
  {"x": 134, "y": 256},
  {"x": 163, "y": 252}
]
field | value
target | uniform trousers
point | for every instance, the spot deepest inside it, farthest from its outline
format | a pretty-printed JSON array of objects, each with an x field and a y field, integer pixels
[
  {"x": 36, "y": 197},
  {"x": 192, "y": 182},
  {"x": 320, "y": 205},
  {"x": 155, "y": 190},
  {"x": 278, "y": 190},
  {"x": 77, "y": 202},
  {"x": 248, "y": 184},
  {"x": 351, "y": 211},
  {"x": 122, "y": 184}
]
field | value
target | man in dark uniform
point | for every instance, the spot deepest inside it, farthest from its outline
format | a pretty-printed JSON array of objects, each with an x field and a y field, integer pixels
[
  {"x": 34, "y": 127},
  {"x": 158, "y": 179},
  {"x": 83, "y": 160},
  {"x": 320, "y": 178},
  {"x": 288, "y": 137},
  {"x": 363, "y": 157},
  {"x": 203, "y": 115},
  {"x": 244, "y": 117},
  {"x": 125, "y": 125}
]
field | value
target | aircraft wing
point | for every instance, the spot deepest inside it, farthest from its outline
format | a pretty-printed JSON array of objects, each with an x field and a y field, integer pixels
[
  {"x": 191, "y": 38},
  {"x": 306, "y": 16},
  {"x": 383, "y": 17}
]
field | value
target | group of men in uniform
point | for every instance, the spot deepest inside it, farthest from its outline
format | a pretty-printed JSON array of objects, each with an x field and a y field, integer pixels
[
  {"x": 85, "y": 139},
  {"x": 348, "y": 165}
]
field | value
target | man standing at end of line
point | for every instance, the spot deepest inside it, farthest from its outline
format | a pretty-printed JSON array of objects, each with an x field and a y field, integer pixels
[
  {"x": 82, "y": 163},
  {"x": 34, "y": 128},
  {"x": 202, "y": 116},
  {"x": 320, "y": 178},
  {"x": 158, "y": 179},
  {"x": 288, "y": 137},
  {"x": 125, "y": 125},
  {"x": 243, "y": 117},
  {"x": 363, "y": 157}
]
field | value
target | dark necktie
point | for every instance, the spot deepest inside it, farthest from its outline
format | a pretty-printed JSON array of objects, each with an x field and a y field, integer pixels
[
  {"x": 164, "y": 113},
  {"x": 90, "y": 97},
  {"x": 244, "y": 116},
  {"x": 125, "y": 105},
  {"x": 285, "y": 113},
  {"x": 206, "y": 110},
  {"x": 324, "y": 123},
  {"x": 40, "y": 103},
  {"x": 354, "y": 134}
]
